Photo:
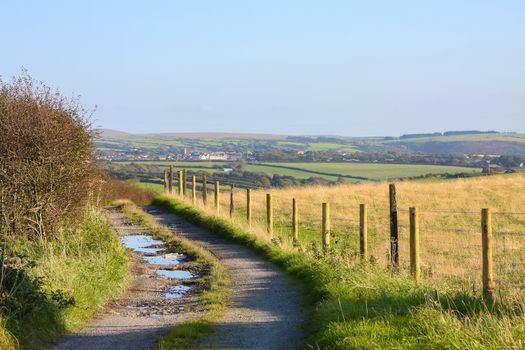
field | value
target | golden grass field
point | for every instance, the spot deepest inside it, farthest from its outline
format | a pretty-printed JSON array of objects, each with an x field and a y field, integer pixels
[{"x": 450, "y": 223}]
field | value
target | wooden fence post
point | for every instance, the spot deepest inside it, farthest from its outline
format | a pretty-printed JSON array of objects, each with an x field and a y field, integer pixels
[
  {"x": 363, "y": 232},
  {"x": 184, "y": 182},
  {"x": 180, "y": 183},
  {"x": 193, "y": 189},
  {"x": 249, "y": 207},
  {"x": 486, "y": 244},
  {"x": 269, "y": 215},
  {"x": 166, "y": 181},
  {"x": 170, "y": 180},
  {"x": 204, "y": 191},
  {"x": 232, "y": 204},
  {"x": 394, "y": 233},
  {"x": 415, "y": 269},
  {"x": 295, "y": 220},
  {"x": 217, "y": 199},
  {"x": 326, "y": 228}
]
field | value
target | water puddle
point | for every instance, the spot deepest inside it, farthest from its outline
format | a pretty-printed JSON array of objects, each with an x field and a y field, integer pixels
[
  {"x": 166, "y": 259},
  {"x": 180, "y": 274},
  {"x": 148, "y": 245},
  {"x": 176, "y": 292},
  {"x": 141, "y": 243}
]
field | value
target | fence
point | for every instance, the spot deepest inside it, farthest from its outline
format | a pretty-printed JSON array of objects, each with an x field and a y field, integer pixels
[{"x": 483, "y": 250}]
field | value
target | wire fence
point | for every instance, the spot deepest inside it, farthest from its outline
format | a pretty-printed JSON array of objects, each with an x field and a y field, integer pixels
[{"x": 450, "y": 242}]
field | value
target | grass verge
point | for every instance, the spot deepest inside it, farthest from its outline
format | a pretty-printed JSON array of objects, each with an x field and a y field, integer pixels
[
  {"x": 367, "y": 307},
  {"x": 187, "y": 335},
  {"x": 61, "y": 282}
]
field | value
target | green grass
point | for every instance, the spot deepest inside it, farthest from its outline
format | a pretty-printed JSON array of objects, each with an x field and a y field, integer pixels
[
  {"x": 271, "y": 170},
  {"x": 87, "y": 264},
  {"x": 355, "y": 306},
  {"x": 317, "y": 146},
  {"x": 187, "y": 335},
  {"x": 208, "y": 167},
  {"x": 320, "y": 146},
  {"x": 330, "y": 171},
  {"x": 373, "y": 171},
  {"x": 294, "y": 144},
  {"x": 147, "y": 185}
]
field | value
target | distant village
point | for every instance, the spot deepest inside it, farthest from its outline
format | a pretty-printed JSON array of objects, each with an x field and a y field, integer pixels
[{"x": 185, "y": 155}]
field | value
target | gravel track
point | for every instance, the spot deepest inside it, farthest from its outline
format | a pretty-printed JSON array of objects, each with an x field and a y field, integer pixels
[
  {"x": 141, "y": 316},
  {"x": 264, "y": 310}
]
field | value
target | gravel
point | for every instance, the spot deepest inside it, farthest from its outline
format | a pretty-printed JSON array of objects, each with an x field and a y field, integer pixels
[
  {"x": 141, "y": 316},
  {"x": 264, "y": 311}
]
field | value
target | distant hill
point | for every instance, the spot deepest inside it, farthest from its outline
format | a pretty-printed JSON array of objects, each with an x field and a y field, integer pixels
[
  {"x": 112, "y": 134},
  {"x": 461, "y": 142},
  {"x": 115, "y": 134},
  {"x": 470, "y": 141}
]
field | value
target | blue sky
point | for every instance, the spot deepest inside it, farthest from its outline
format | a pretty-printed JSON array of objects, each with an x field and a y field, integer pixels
[{"x": 291, "y": 67}]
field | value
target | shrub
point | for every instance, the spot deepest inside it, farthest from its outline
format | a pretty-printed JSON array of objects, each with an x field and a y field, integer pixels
[{"x": 46, "y": 157}]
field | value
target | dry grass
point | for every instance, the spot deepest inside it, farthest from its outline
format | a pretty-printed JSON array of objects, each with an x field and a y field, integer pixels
[{"x": 450, "y": 223}]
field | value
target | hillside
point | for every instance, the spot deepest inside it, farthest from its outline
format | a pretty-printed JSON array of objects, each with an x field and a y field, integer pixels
[
  {"x": 436, "y": 143},
  {"x": 489, "y": 143}
]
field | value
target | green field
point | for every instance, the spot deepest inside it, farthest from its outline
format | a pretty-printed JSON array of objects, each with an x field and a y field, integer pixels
[
  {"x": 373, "y": 171},
  {"x": 271, "y": 170},
  {"x": 483, "y": 143},
  {"x": 329, "y": 171},
  {"x": 317, "y": 146},
  {"x": 192, "y": 166}
]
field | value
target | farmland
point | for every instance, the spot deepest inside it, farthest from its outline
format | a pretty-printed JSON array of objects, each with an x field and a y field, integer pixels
[
  {"x": 371, "y": 171},
  {"x": 374, "y": 300},
  {"x": 450, "y": 220},
  {"x": 329, "y": 171},
  {"x": 482, "y": 143}
]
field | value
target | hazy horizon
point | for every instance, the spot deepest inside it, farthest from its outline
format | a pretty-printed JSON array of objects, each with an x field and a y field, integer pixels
[
  {"x": 297, "y": 135},
  {"x": 293, "y": 68}
]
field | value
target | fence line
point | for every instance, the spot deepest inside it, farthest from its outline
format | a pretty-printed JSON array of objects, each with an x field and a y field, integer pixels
[{"x": 403, "y": 239}]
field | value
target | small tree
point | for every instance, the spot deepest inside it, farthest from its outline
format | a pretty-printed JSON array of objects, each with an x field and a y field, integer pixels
[{"x": 46, "y": 157}]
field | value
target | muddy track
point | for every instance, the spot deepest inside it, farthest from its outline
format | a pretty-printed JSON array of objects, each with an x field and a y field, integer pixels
[
  {"x": 264, "y": 310},
  {"x": 143, "y": 314}
]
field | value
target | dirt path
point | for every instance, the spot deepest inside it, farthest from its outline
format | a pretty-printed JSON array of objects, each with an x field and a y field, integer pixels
[
  {"x": 265, "y": 310},
  {"x": 138, "y": 319}
]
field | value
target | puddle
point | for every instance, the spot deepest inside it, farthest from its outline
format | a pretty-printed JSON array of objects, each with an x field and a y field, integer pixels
[
  {"x": 176, "y": 292},
  {"x": 146, "y": 244},
  {"x": 167, "y": 259},
  {"x": 180, "y": 274},
  {"x": 140, "y": 243}
]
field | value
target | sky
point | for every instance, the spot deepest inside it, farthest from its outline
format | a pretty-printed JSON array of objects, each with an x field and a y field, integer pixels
[{"x": 354, "y": 68}]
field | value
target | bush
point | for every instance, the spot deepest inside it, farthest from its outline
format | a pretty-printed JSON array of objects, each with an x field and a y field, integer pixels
[{"x": 46, "y": 157}]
